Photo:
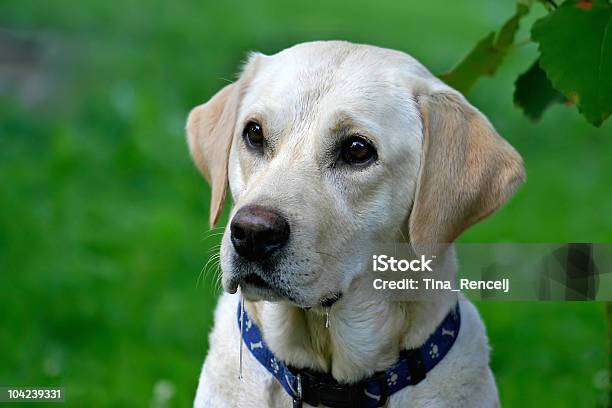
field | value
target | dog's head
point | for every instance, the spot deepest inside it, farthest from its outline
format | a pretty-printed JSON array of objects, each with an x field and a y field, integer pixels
[{"x": 330, "y": 148}]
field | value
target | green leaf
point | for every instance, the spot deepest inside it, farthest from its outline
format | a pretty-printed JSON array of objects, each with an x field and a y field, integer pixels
[
  {"x": 576, "y": 52},
  {"x": 486, "y": 57},
  {"x": 534, "y": 93},
  {"x": 548, "y": 4}
]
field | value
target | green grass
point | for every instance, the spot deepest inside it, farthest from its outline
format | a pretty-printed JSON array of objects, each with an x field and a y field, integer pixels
[{"x": 103, "y": 218}]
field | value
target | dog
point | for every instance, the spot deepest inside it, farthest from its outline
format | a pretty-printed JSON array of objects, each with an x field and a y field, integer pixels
[{"x": 329, "y": 148}]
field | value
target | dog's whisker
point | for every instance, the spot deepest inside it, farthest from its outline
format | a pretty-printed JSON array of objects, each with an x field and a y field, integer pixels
[
  {"x": 216, "y": 229},
  {"x": 199, "y": 278},
  {"x": 215, "y": 268},
  {"x": 212, "y": 259},
  {"x": 214, "y": 262},
  {"x": 218, "y": 284},
  {"x": 214, "y": 248},
  {"x": 213, "y": 233},
  {"x": 213, "y": 236}
]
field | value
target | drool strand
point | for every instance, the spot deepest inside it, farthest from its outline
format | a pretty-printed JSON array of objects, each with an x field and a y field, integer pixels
[{"x": 240, "y": 337}]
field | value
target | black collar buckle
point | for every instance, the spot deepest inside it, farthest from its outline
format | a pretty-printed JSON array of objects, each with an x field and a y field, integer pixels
[{"x": 322, "y": 389}]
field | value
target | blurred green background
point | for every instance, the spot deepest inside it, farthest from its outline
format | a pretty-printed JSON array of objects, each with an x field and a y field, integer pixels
[{"x": 103, "y": 218}]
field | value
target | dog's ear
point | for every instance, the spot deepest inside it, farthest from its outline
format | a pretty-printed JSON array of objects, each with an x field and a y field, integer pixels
[
  {"x": 467, "y": 170},
  {"x": 210, "y": 130}
]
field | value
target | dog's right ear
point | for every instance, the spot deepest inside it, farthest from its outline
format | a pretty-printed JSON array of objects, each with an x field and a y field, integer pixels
[{"x": 210, "y": 130}]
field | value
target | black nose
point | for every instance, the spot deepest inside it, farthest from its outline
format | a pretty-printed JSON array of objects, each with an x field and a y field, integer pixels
[{"x": 258, "y": 231}]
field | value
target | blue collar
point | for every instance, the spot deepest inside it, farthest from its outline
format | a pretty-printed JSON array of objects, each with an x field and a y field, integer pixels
[{"x": 319, "y": 388}]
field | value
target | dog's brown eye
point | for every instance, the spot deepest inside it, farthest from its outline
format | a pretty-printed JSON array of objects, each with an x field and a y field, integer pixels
[
  {"x": 357, "y": 151},
  {"x": 253, "y": 135}
]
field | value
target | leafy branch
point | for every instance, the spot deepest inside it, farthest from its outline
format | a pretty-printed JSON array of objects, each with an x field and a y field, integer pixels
[{"x": 574, "y": 66}]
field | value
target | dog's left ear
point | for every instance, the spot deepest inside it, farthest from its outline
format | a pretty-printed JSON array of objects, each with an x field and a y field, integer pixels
[{"x": 467, "y": 170}]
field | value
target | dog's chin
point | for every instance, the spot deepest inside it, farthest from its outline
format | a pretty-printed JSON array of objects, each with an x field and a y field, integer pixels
[{"x": 253, "y": 288}]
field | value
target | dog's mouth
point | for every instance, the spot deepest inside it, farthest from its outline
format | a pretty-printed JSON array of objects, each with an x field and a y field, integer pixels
[
  {"x": 329, "y": 301},
  {"x": 254, "y": 287},
  {"x": 250, "y": 281},
  {"x": 256, "y": 280}
]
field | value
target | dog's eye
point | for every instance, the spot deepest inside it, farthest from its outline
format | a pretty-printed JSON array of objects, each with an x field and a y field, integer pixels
[
  {"x": 357, "y": 151},
  {"x": 253, "y": 135}
]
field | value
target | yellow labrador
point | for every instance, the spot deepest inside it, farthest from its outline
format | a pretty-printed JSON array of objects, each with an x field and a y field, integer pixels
[{"x": 329, "y": 148}]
